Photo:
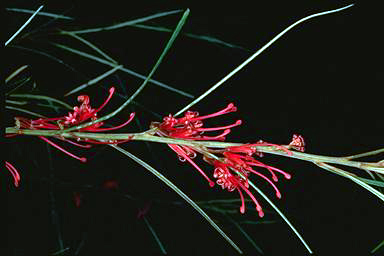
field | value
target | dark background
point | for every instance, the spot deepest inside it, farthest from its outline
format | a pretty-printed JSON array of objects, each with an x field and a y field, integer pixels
[{"x": 321, "y": 80}]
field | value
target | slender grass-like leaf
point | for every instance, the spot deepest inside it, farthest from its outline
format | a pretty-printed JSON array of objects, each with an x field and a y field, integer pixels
[
  {"x": 93, "y": 81},
  {"x": 191, "y": 35},
  {"x": 345, "y": 174},
  {"x": 22, "y": 27},
  {"x": 42, "y": 97},
  {"x": 157, "y": 239},
  {"x": 378, "y": 247},
  {"x": 46, "y": 55},
  {"x": 16, "y": 102},
  {"x": 90, "y": 45},
  {"x": 60, "y": 251},
  {"x": 180, "y": 193},
  {"x": 15, "y": 73},
  {"x": 18, "y": 84},
  {"x": 246, "y": 235},
  {"x": 372, "y": 182},
  {"x": 128, "y": 71},
  {"x": 281, "y": 215},
  {"x": 24, "y": 111},
  {"x": 52, "y": 15},
  {"x": 126, "y": 23},
  {"x": 257, "y": 53}
]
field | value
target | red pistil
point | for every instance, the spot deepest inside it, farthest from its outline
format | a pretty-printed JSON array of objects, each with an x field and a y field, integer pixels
[
  {"x": 14, "y": 173},
  {"x": 237, "y": 123},
  {"x": 111, "y": 91},
  {"x": 218, "y": 137},
  {"x": 82, "y": 159},
  {"x": 181, "y": 152},
  {"x": 230, "y": 108},
  {"x": 131, "y": 116},
  {"x": 258, "y": 207}
]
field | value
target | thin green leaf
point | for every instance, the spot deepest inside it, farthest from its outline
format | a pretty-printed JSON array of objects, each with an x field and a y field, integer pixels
[
  {"x": 46, "y": 55},
  {"x": 41, "y": 97},
  {"x": 52, "y": 15},
  {"x": 93, "y": 81},
  {"x": 378, "y": 247},
  {"x": 237, "y": 225},
  {"x": 25, "y": 24},
  {"x": 351, "y": 177},
  {"x": 91, "y": 45},
  {"x": 180, "y": 193},
  {"x": 128, "y": 71},
  {"x": 370, "y": 153},
  {"x": 199, "y": 37},
  {"x": 16, "y": 102},
  {"x": 282, "y": 216},
  {"x": 24, "y": 111},
  {"x": 126, "y": 23},
  {"x": 372, "y": 182},
  {"x": 257, "y": 53},
  {"x": 60, "y": 251},
  {"x": 155, "y": 236},
  {"x": 15, "y": 73},
  {"x": 18, "y": 84}
]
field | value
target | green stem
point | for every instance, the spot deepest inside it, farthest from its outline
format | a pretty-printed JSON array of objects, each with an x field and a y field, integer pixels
[{"x": 144, "y": 136}]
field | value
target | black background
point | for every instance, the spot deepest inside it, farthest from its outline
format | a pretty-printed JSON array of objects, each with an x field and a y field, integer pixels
[{"x": 321, "y": 80}]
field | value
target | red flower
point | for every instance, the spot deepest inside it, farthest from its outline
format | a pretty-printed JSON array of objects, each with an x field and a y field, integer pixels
[
  {"x": 232, "y": 165},
  {"x": 14, "y": 173},
  {"x": 297, "y": 142},
  {"x": 190, "y": 127},
  {"x": 233, "y": 170},
  {"x": 80, "y": 114}
]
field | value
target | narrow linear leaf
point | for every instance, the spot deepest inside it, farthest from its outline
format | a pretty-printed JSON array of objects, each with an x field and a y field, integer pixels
[
  {"x": 41, "y": 97},
  {"x": 257, "y": 53},
  {"x": 378, "y": 247},
  {"x": 93, "y": 81},
  {"x": 191, "y": 35},
  {"x": 24, "y": 111},
  {"x": 128, "y": 71},
  {"x": 25, "y": 24},
  {"x": 15, "y": 73},
  {"x": 340, "y": 172},
  {"x": 52, "y": 15},
  {"x": 46, "y": 55},
  {"x": 237, "y": 225},
  {"x": 155, "y": 235},
  {"x": 282, "y": 216},
  {"x": 126, "y": 23},
  {"x": 90, "y": 45},
  {"x": 180, "y": 193}
]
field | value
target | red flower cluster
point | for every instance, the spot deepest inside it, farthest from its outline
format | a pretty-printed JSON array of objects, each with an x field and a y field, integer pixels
[
  {"x": 80, "y": 114},
  {"x": 234, "y": 165},
  {"x": 232, "y": 172},
  {"x": 190, "y": 127}
]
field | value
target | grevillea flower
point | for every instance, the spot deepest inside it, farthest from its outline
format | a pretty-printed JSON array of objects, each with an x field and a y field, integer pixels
[
  {"x": 81, "y": 114},
  {"x": 232, "y": 165},
  {"x": 297, "y": 142},
  {"x": 232, "y": 172},
  {"x": 14, "y": 173},
  {"x": 190, "y": 127}
]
